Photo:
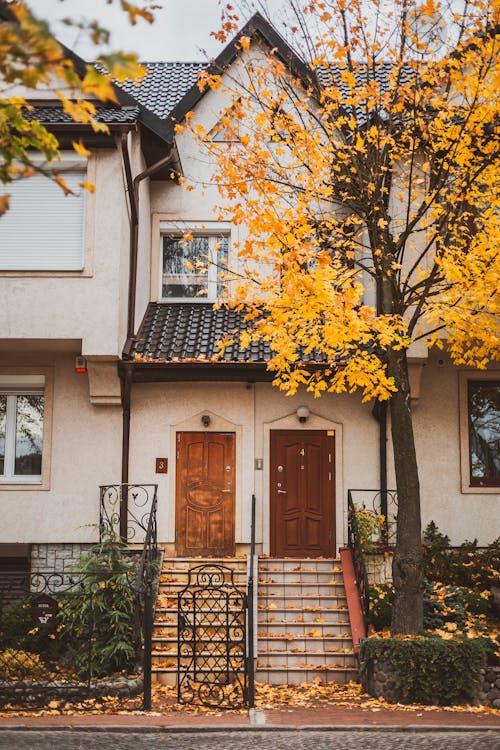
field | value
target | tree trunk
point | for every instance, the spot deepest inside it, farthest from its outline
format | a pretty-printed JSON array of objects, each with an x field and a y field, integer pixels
[{"x": 407, "y": 615}]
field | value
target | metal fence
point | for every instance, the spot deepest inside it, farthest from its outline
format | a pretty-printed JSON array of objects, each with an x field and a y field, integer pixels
[
  {"x": 71, "y": 636},
  {"x": 85, "y": 633}
]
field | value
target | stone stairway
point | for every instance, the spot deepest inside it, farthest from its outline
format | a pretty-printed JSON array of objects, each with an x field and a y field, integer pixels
[
  {"x": 173, "y": 578},
  {"x": 303, "y": 622}
]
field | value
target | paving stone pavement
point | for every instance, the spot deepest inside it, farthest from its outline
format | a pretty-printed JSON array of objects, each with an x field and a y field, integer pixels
[{"x": 249, "y": 740}]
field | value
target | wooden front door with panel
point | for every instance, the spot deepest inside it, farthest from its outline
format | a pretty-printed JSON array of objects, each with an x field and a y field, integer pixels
[
  {"x": 302, "y": 493},
  {"x": 205, "y": 492}
]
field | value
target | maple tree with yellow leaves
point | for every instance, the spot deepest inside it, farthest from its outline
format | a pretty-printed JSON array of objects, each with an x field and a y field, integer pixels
[
  {"x": 30, "y": 58},
  {"x": 366, "y": 180}
]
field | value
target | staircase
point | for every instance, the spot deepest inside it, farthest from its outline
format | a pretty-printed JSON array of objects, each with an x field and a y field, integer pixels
[
  {"x": 303, "y": 622},
  {"x": 173, "y": 578},
  {"x": 303, "y": 629}
]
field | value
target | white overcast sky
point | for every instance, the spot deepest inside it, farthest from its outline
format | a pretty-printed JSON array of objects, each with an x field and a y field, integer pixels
[{"x": 181, "y": 30}]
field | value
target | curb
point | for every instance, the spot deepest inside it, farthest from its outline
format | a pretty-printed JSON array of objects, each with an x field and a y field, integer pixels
[{"x": 187, "y": 729}]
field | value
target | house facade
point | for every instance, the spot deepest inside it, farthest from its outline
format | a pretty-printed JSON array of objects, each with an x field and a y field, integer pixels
[{"x": 98, "y": 282}]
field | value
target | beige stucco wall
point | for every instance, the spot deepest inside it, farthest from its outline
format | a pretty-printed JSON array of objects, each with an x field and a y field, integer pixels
[
  {"x": 89, "y": 305},
  {"x": 84, "y": 451},
  {"x": 440, "y": 428},
  {"x": 251, "y": 411}
]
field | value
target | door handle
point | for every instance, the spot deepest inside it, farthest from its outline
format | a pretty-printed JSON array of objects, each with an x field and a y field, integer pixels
[
  {"x": 281, "y": 492},
  {"x": 226, "y": 490}
]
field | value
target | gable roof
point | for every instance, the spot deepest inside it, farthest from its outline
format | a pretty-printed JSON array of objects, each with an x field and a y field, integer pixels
[
  {"x": 106, "y": 113},
  {"x": 170, "y": 89}
]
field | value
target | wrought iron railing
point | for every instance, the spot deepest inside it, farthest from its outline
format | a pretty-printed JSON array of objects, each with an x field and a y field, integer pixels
[
  {"x": 382, "y": 504},
  {"x": 133, "y": 503},
  {"x": 52, "y": 636},
  {"x": 354, "y": 540},
  {"x": 211, "y": 667}
]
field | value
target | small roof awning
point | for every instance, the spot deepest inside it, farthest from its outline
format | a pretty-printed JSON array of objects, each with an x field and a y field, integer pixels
[{"x": 180, "y": 341}]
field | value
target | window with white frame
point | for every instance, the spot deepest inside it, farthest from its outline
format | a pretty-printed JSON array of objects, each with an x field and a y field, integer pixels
[
  {"x": 22, "y": 407},
  {"x": 43, "y": 230},
  {"x": 193, "y": 264}
]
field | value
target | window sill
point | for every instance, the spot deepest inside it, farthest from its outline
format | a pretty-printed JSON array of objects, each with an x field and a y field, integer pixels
[
  {"x": 23, "y": 485},
  {"x": 478, "y": 490}
]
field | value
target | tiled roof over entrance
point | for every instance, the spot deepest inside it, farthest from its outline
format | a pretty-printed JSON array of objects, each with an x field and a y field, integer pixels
[{"x": 190, "y": 332}]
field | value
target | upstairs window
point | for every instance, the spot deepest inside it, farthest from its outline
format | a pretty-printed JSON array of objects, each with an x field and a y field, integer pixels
[
  {"x": 193, "y": 265},
  {"x": 22, "y": 406},
  {"x": 43, "y": 230},
  {"x": 483, "y": 399}
]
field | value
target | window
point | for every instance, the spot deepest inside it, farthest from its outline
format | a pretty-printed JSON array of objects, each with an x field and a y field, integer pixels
[
  {"x": 22, "y": 408},
  {"x": 44, "y": 229},
  {"x": 483, "y": 409},
  {"x": 193, "y": 268}
]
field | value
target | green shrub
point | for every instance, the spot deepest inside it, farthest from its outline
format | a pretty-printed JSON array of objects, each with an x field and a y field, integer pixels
[
  {"x": 444, "y": 607},
  {"x": 427, "y": 670},
  {"x": 370, "y": 525},
  {"x": 100, "y": 612},
  {"x": 465, "y": 565},
  {"x": 381, "y": 603},
  {"x": 19, "y": 665},
  {"x": 18, "y": 630}
]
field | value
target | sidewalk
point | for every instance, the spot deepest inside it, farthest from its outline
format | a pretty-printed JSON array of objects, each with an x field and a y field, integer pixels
[
  {"x": 328, "y": 716},
  {"x": 305, "y": 706}
]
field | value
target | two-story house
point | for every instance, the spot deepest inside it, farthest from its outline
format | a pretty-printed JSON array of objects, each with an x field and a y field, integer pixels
[{"x": 98, "y": 282}]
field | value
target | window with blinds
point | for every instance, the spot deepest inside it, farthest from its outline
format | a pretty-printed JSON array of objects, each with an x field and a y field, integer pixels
[{"x": 43, "y": 230}]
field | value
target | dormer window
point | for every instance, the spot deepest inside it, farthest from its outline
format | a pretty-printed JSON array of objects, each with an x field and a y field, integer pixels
[{"x": 193, "y": 264}]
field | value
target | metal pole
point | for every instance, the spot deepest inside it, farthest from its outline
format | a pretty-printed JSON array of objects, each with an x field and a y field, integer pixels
[
  {"x": 148, "y": 645},
  {"x": 251, "y": 652}
]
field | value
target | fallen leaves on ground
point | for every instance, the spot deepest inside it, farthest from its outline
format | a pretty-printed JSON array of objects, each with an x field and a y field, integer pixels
[{"x": 315, "y": 694}]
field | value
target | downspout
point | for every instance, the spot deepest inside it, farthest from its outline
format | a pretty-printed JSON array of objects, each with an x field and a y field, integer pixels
[{"x": 127, "y": 375}]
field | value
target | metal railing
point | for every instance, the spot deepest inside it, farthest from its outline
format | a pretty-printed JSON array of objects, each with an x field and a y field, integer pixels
[
  {"x": 358, "y": 561},
  {"x": 251, "y": 612},
  {"x": 128, "y": 508},
  {"x": 382, "y": 503}
]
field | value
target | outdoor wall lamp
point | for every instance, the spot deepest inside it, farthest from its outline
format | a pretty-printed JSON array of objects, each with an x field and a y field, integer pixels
[
  {"x": 205, "y": 420},
  {"x": 302, "y": 413}
]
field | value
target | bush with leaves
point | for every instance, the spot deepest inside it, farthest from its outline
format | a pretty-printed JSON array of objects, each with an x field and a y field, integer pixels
[
  {"x": 19, "y": 631},
  {"x": 370, "y": 525},
  {"x": 19, "y": 665},
  {"x": 428, "y": 670},
  {"x": 97, "y": 616},
  {"x": 448, "y": 608},
  {"x": 465, "y": 565}
]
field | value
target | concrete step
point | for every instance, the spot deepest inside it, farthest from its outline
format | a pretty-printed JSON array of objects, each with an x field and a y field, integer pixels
[
  {"x": 303, "y": 644},
  {"x": 295, "y": 676},
  {"x": 296, "y": 564},
  {"x": 303, "y": 577},
  {"x": 303, "y": 589},
  {"x": 287, "y": 659},
  {"x": 282, "y": 602}
]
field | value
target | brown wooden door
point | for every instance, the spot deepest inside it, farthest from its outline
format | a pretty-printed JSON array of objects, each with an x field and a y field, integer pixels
[
  {"x": 205, "y": 485},
  {"x": 302, "y": 493}
]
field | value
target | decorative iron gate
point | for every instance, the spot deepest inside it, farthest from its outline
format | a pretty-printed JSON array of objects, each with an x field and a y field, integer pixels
[{"x": 212, "y": 639}]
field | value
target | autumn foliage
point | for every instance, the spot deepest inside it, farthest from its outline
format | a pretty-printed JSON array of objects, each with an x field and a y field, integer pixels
[
  {"x": 30, "y": 60},
  {"x": 364, "y": 179}
]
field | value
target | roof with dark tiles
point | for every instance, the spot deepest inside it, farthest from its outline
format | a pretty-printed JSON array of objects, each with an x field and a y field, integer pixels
[
  {"x": 55, "y": 115},
  {"x": 190, "y": 332},
  {"x": 164, "y": 85}
]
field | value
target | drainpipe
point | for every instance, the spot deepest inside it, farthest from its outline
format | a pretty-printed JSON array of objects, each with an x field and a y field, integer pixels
[
  {"x": 127, "y": 376},
  {"x": 126, "y": 394}
]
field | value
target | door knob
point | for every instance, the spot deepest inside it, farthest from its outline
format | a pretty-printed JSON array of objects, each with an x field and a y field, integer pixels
[{"x": 281, "y": 492}]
